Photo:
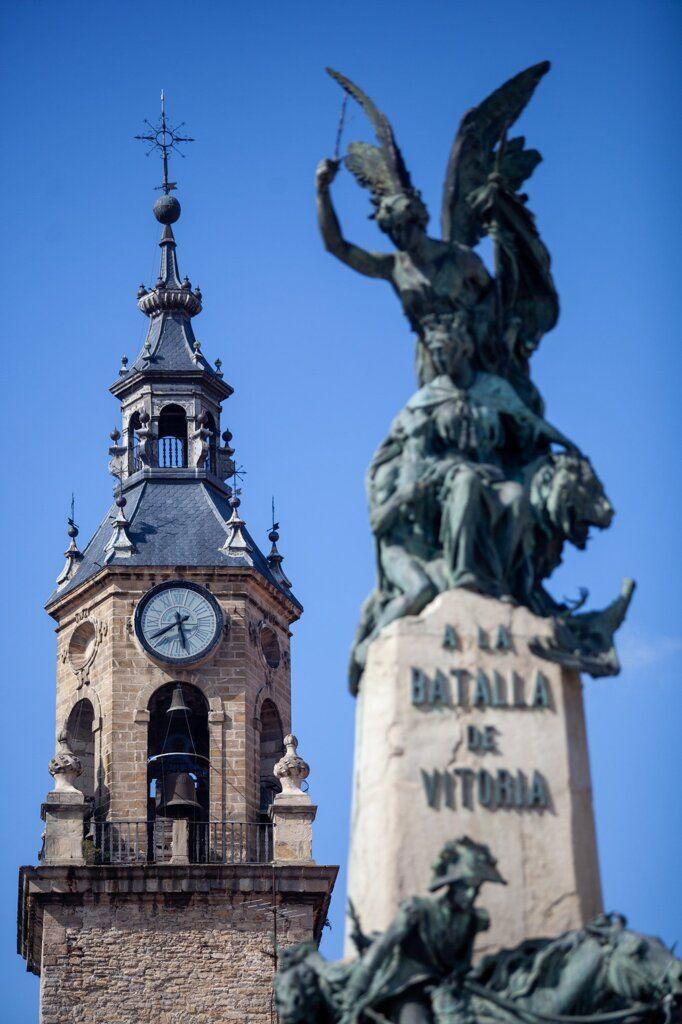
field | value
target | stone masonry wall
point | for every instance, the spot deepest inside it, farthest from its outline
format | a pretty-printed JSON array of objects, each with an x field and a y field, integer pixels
[
  {"x": 235, "y": 680},
  {"x": 203, "y": 959}
]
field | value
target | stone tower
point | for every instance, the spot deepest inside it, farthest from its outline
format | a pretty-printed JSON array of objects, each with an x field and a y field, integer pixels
[{"x": 177, "y": 854}]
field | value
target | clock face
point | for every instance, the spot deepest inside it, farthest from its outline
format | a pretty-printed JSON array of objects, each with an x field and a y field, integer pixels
[{"x": 178, "y": 623}]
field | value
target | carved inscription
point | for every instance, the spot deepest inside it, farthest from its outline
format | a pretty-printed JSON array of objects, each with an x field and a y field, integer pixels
[{"x": 456, "y": 688}]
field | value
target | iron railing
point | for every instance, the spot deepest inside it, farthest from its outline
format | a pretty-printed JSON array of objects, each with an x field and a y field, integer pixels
[
  {"x": 123, "y": 842},
  {"x": 230, "y": 842},
  {"x": 209, "y": 842}
]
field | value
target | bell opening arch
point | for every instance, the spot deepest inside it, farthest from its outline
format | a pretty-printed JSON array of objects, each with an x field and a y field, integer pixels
[
  {"x": 270, "y": 751},
  {"x": 178, "y": 783}
]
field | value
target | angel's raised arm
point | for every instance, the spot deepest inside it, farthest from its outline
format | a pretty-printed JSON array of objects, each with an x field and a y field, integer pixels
[{"x": 371, "y": 264}]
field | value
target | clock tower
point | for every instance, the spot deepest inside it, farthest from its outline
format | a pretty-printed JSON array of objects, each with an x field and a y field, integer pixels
[{"x": 177, "y": 852}]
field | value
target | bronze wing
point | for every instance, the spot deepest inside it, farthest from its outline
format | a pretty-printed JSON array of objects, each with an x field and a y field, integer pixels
[
  {"x": 476, "y": 204},
  {"x": 472, "y": 157}
]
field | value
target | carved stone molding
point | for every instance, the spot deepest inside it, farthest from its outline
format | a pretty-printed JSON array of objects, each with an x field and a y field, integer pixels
[{"x": 83, "y": 645}]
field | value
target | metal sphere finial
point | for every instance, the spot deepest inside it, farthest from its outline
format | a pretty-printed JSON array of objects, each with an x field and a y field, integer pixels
[{"x": 167, "y": 209}]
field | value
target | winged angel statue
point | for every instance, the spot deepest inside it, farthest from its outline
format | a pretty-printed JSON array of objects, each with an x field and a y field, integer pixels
[{"x": 472, "y": 487}]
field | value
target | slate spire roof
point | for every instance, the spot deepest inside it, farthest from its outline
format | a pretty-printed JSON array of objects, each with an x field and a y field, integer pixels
[
  {"x": 170, "y": 345},
  {"x": 173, "y": 523},
  {"x": 180, "y": 513}
]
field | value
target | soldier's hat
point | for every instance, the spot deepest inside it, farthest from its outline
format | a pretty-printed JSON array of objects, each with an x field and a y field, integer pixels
[{"x": 465, "y": 861}]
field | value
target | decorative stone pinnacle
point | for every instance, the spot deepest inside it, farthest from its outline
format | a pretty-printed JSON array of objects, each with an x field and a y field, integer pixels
[
  {"x": 291, "y": 770},
  {"x": 236, "y": 543},
  {"x": 73, "y": 556},
  {"x": 120, "y": 544},
  {"x": 65, "y": 768},
  {"x": 124, "y": 366},
  {"x": 227, "y": 437},
  {"x": 275, "y": 559}
]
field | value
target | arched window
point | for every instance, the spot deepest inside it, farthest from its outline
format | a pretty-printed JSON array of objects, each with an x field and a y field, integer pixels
[
  {"x": 271, "y": 750},
  {"x": 177, "y": 753},
  {"x": 172, "y": 436},
  {"x": 134, "y": 462},
  {"x": 81, "y": 740},
  {"x": 210, "y": 423}
]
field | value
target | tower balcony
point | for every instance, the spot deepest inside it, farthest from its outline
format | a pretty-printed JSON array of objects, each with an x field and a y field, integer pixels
[{"x": 179, "y": 841}]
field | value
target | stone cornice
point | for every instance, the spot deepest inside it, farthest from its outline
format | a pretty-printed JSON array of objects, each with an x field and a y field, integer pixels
[
  {"x": 292, "y": 883},
  {"x": 108, "y": 574},
  {"x": 209, "y": 380}
]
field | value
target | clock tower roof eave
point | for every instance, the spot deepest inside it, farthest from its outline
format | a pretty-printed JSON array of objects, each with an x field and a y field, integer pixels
[
  {"x": 171, "y": 523},
  {"x": 59, "y": 606},
  {"x": 132, "y": 381}
]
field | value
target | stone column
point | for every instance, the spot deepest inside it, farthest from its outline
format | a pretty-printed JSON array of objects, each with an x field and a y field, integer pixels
[
  {"x": 64, "y": 812},
  {"x": 462, "y": 730},
  {"x": 216, "y": 725},
  {"x": 292, "y": 811},
  {"x": 180, "y": 842}
]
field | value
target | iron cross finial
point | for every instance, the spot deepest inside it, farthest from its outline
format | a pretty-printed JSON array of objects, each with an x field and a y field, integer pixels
[{"x": 166, "y": 139}]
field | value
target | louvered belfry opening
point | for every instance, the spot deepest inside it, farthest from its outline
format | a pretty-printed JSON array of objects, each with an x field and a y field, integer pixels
[{"x": 172, "y": 450}]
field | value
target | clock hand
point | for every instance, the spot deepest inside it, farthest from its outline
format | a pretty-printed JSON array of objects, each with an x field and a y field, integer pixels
[
  {"x": 162, "y": 631},
  {"x": 167, "y": 628},
  {"x": 179, "y": 620}
]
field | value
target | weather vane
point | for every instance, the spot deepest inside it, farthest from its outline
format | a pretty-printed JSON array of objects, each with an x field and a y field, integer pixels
[{"x": 167, "y": 140}]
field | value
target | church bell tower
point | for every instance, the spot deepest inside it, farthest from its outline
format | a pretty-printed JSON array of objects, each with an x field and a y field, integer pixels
[{"x": 177, "y": 850}]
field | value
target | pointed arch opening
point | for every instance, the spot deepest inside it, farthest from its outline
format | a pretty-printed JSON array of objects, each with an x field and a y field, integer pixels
[
  {"x": 81, "y": 740},
  {"x": 172, "y": 437},
  {"x": 271, "y": 750}
]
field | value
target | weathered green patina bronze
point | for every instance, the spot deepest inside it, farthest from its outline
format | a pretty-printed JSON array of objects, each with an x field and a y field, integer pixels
[
  {"x": 419, "y": 971},
  {"x": 472, "y": 487}
]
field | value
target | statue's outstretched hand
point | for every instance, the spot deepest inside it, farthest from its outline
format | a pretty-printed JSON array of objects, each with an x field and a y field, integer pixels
[{"x": 327, "y": 170}]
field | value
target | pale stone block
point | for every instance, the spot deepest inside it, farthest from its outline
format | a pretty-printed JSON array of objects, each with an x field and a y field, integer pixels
[
  {"x": 293, "y": 818},
  {"x": 63, "y": 813},
  {"x": 180, "y": 842},
  {"x": 457, "y": 734}
]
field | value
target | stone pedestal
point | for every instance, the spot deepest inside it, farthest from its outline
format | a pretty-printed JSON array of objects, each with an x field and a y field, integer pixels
[
  {"x": 292, "y": 811},
  {"x": 63, "y": 813},
  {"x": 461, "y": 730},
  {"x": 293, "y": 833}
]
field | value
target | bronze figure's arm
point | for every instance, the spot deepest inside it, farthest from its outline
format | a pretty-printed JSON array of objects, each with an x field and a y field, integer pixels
[{"x": 371, "y": 264}]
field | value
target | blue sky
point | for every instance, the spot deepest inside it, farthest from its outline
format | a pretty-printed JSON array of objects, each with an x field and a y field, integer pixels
[{"x": 322, "y": 359}]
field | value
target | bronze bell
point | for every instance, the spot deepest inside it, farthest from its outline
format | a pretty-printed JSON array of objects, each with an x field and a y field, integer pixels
[
  {"x": 179, "y": 795},
  {"x": 178, "y": 701}
]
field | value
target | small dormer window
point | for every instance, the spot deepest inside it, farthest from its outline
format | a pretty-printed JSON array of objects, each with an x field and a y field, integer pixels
[{"x": 172, "y": 437}]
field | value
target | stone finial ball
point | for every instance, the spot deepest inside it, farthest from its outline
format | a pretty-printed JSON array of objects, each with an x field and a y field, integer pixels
[{"x": 167, "y": 209}]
